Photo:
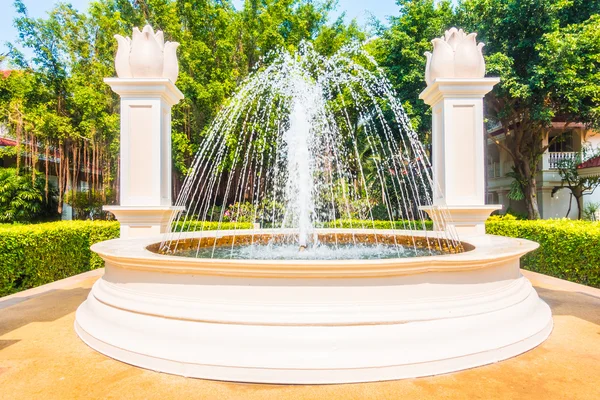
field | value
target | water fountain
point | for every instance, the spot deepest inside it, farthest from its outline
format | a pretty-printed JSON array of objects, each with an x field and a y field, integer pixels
[{"x": 314, "y": 293}]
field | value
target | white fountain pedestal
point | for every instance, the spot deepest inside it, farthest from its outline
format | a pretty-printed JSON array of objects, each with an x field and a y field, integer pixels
[
  {"x": 458, "y": 144},
  {"x": 313, "y": 322},
  {"x": 145, "y": 169}
]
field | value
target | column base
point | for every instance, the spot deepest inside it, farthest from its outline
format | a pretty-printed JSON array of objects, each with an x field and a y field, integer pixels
[
  {"x": 464, "y": 220},
  {"x": 141, "y": 221}
]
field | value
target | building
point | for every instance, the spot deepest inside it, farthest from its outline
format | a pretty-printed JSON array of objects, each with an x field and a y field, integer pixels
[{"x": 556, "y": 205}]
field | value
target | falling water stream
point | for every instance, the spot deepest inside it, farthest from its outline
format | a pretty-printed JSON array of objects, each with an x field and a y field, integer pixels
[{"x": 310, "y": 143}]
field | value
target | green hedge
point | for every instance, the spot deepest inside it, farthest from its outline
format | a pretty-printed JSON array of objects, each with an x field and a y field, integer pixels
[
  {"x": 33, "y": 255},
  {"x": 568, "y": 249},
  {"x": 36, "y": 254},
  {"x": 195, "y": 225},
  {"x": 368, "y": 224}
]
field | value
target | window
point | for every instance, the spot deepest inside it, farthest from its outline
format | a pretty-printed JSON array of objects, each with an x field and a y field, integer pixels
[
  {"x": 492, "y": 198},
  {"x": 563, "y": 144}
]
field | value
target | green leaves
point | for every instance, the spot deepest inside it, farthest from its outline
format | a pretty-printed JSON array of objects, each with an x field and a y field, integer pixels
[
  {"x": 568, "y": 249},
  {"x": 399, "y": 50},
  {"x": 33, "y": 255},
  {"x": 570, "y": 67},
  {"x": 20, "y": 199},
  {"x": 63, "y": 100}
]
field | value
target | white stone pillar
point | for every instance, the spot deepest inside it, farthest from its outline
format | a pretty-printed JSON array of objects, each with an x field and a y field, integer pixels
[
  {"x": 455, "y": 92},
  {"x": 145, "y": 190},
  {"x": 147, "y": 68}
]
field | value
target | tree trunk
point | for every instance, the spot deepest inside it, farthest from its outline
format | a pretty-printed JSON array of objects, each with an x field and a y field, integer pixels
[
  {"x": 570, "y": 202},
  {"x": 578, "y": 194},
  {"x": 529, "y": 188},
  {"x": 34, "y": 159},
  {"x": 60, "y": 169},
  {"x": 18, "y": 133},
  {"x": 46, "y": 163}
]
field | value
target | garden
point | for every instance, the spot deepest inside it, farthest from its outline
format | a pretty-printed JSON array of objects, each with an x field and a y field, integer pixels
[{"x": 267, "y": 192}]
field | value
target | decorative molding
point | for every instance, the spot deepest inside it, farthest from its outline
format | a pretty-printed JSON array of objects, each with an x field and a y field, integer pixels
[
  {"x": 455, "y": 55},
  {"x": 311, "y": 322},
  {"x": 148, "y": 88},
  {"x": 442, "y": 88},
  {"x": 146, "y": 55}
]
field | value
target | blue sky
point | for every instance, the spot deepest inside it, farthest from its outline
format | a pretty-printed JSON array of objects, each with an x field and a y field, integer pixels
[{"x": 359, "y": 9}]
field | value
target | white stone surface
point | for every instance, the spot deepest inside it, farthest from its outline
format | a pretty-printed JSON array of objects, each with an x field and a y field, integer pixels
[
  {"x": 313, "y": 321},
  {"x": 458, "y": 142},
  {"x": 145, "y": 180},
  {"x": 143, "y": 221},
  {"x": 146, "y": 55},
  {"x": 455, "y": 55}
]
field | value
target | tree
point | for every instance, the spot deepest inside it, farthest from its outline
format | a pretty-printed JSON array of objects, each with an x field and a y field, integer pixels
[
  {"x": 61, "y": 107},
  {"x": 400, "y": 48},
  {"x": 58, "y": 106},
  {"x": 546, "y": 53},
  {"x": 571, "y": 180}
]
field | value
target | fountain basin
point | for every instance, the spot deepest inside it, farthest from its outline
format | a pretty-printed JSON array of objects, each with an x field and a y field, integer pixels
[{"x": 313, "y": 321}]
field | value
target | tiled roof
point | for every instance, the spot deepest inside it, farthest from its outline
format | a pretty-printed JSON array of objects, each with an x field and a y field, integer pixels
[
  {"x": 7, "y": 142},
  {"x": 591, "y": 163}
]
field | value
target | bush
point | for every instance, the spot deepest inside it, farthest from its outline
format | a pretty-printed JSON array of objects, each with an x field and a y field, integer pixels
[
  {"x": 88, "y": 204},
  {"x": 368, "y": 224},
  {"x": 568, "y": 249},
  {"x": 33, "y": 255},
  {"x": 36, "y": 254},
  {"x": 22, "y": 200},
  {"x": 192, "y": 225}
]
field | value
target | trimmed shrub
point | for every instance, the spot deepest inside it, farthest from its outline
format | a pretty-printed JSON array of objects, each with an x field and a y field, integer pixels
[
  {"x": 33, "y": 255},
  {"x": 568, "y": 249},
  {"x": 36, "y": 254},
  {"x": 195, "y": 225},
  {"x": 368, "y": 224}
]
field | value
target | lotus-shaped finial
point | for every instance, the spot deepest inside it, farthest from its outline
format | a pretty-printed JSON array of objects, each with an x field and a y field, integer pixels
[
  {"x": 146, "y": 55},
  {"x": 455, "y": 55}
]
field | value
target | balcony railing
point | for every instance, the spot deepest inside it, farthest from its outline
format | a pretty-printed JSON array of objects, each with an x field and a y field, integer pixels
[{"x": 554, "y": 159}]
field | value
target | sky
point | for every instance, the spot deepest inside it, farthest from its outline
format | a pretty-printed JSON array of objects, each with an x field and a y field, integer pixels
[{"x": 360, "y": 9}]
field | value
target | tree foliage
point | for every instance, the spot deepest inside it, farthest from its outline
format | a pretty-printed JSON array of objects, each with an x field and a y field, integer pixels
[
  {"x": 57, "y": 106},
  {"x": 20, "y": 199},
  {"x": 400, "y": 48},
  {"x": 534, "y": 46},
  {"x": 546, "y": 53}
]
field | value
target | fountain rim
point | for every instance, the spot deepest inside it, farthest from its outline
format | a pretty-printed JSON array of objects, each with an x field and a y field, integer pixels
[{"x": 486, "y": 251}]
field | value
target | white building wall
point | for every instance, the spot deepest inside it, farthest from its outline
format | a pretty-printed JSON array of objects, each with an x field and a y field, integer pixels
[{"x": 550, "y": 206}]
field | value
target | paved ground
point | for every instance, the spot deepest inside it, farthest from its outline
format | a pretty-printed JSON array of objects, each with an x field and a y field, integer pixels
[{"x": 42, "y": 358}]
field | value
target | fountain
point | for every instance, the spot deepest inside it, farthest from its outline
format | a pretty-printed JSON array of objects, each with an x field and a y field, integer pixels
[{"x": 311, "y": 150}]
